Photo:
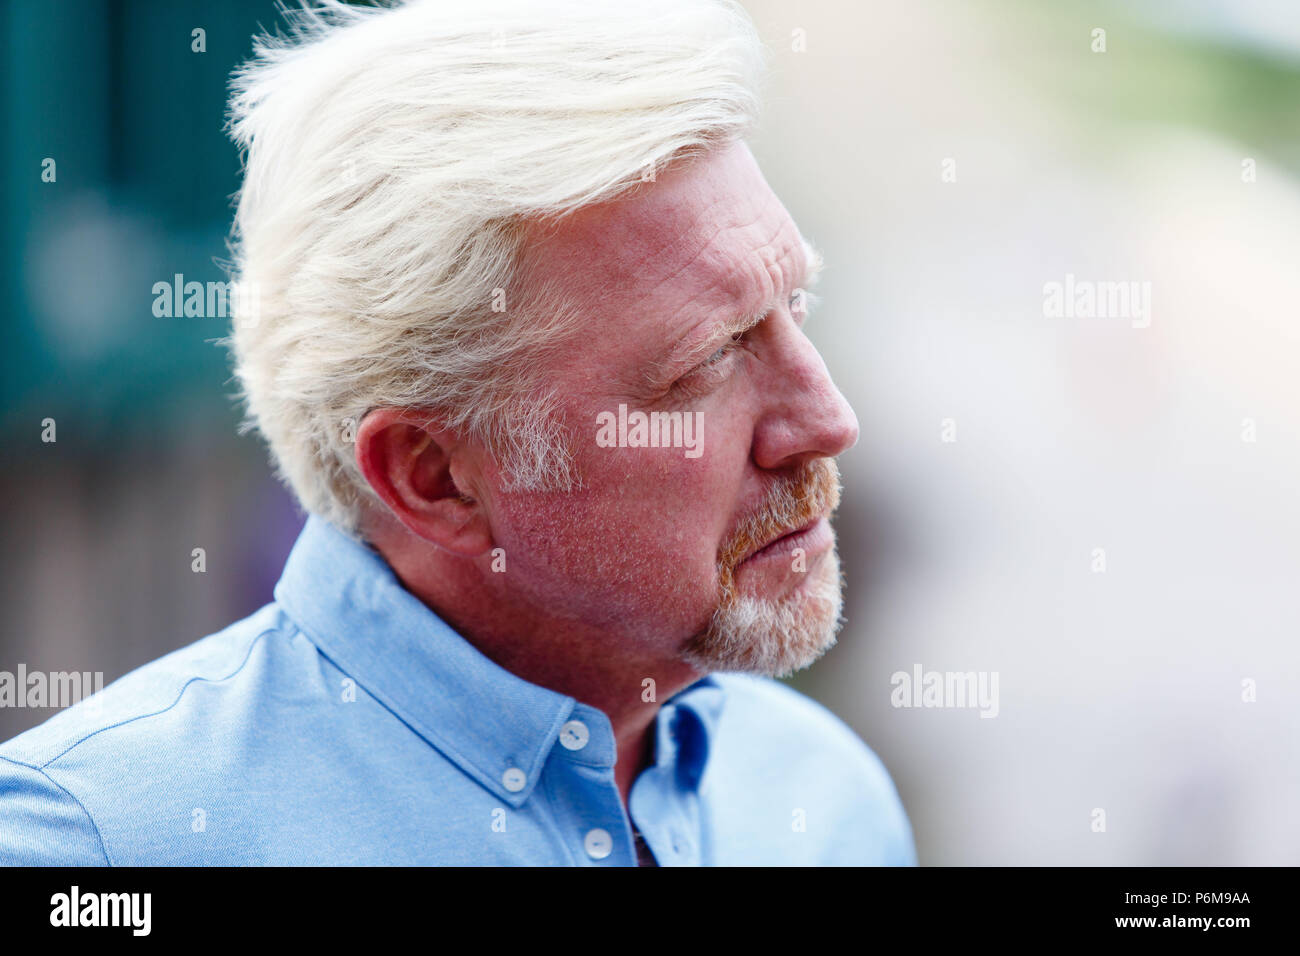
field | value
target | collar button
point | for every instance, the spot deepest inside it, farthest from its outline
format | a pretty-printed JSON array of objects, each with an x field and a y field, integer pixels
[{"x": 574, "y": 735}]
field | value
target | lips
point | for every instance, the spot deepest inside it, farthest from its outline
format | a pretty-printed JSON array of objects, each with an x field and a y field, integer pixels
[{"x": 785, "y": 541}]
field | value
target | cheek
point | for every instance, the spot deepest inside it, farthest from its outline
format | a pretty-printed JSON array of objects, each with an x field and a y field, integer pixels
[{"x": 638, "y": 542}]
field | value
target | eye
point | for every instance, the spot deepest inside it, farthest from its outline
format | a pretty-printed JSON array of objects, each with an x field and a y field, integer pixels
[
  {"x": 712, "y": 371},
  {"x": 722, "y": 353},
  {"x": 718, "y": 356}
]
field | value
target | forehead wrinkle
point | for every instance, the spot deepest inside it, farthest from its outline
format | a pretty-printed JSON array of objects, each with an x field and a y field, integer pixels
[
  {"x": 735, "y": 279},
  {"x": 762, "y": 300},
  {"x": 718, "y": 274},
  {"x": 734, "y": 215},
  {"x": 731, "y": 280},
  {"x": 738, "y": 319},
  {"x": 640, "y": 240}
]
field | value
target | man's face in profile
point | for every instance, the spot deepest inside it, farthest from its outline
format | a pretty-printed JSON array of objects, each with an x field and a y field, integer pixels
[{"x": 692, "y": 294}]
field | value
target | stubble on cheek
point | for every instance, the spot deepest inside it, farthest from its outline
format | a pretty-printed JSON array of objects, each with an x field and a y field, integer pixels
[{"x": 629, "y": 566}]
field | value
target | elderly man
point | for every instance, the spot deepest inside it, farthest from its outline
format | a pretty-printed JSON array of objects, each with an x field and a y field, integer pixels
[{"x": 522, "y": 325}]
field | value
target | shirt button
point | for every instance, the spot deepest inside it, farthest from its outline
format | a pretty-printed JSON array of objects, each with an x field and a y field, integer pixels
[
  {"x": 598, "y": 843},
  {"x": 514, "y": 779},
  {"x": 574, "y": 735}
]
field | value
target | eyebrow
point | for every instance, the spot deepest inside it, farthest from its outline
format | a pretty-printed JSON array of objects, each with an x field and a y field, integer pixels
[{"x": 688, "y": 357}]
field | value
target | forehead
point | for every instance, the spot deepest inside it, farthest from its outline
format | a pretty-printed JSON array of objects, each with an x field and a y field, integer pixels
[{"x": 706, "y": 236}]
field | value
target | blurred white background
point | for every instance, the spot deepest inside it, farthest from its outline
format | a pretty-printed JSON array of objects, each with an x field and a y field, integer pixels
[{"x": 1120, "y": 690}]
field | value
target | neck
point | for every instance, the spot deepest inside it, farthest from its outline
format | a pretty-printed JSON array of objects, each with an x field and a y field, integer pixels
[{"x": 593, "y": 665}]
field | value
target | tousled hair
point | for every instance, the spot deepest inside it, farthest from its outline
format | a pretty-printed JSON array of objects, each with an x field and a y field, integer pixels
[{"x": 393, "y": 158}]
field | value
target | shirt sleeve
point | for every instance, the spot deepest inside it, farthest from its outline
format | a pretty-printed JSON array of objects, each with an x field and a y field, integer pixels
[{"x": 41, "y": 824}]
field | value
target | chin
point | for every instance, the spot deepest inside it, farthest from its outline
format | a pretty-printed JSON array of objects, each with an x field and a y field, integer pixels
[{"x": 774, "y": 636}]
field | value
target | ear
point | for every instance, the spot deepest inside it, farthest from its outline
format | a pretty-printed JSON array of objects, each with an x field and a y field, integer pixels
[{"x": 410, "y": 465}]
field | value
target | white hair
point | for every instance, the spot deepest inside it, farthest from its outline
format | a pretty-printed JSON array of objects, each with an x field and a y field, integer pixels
[{"x": 393, "y": 156}]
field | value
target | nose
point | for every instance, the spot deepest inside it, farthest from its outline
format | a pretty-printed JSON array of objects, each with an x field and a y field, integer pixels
[{"x": 804, "y": 415}]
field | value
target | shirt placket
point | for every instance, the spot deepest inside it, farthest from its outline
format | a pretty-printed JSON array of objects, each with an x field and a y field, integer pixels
[
  {"x": 665, "y": 810},
  {"x": 582, "y": 792}
]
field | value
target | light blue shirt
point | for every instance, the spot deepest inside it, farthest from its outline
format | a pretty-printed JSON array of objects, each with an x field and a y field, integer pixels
[{"x": 345, "y": 723}]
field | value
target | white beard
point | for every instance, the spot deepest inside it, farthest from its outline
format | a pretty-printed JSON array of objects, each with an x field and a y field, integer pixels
[{"x": 774, "y": 638}]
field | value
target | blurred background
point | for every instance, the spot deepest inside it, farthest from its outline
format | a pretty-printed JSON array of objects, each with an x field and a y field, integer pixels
[{"x": 1101, "y": 511}]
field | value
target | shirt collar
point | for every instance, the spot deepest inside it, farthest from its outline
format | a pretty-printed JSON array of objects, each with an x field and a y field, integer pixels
[
  {"x": 488, "y": 721},
  {"x": 686, "y": 729}
]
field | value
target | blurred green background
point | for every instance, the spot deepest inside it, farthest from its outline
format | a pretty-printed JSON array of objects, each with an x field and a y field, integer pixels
[{"x": 99, "y": 526}]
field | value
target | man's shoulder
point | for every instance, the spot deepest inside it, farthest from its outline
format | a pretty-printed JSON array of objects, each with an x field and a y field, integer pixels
[
  {"x": 149, "y": 691},
  {"x": 772, "y": 711},
  {"x": 802, "y": 771},
  {"x": 110, "y": 754}
]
